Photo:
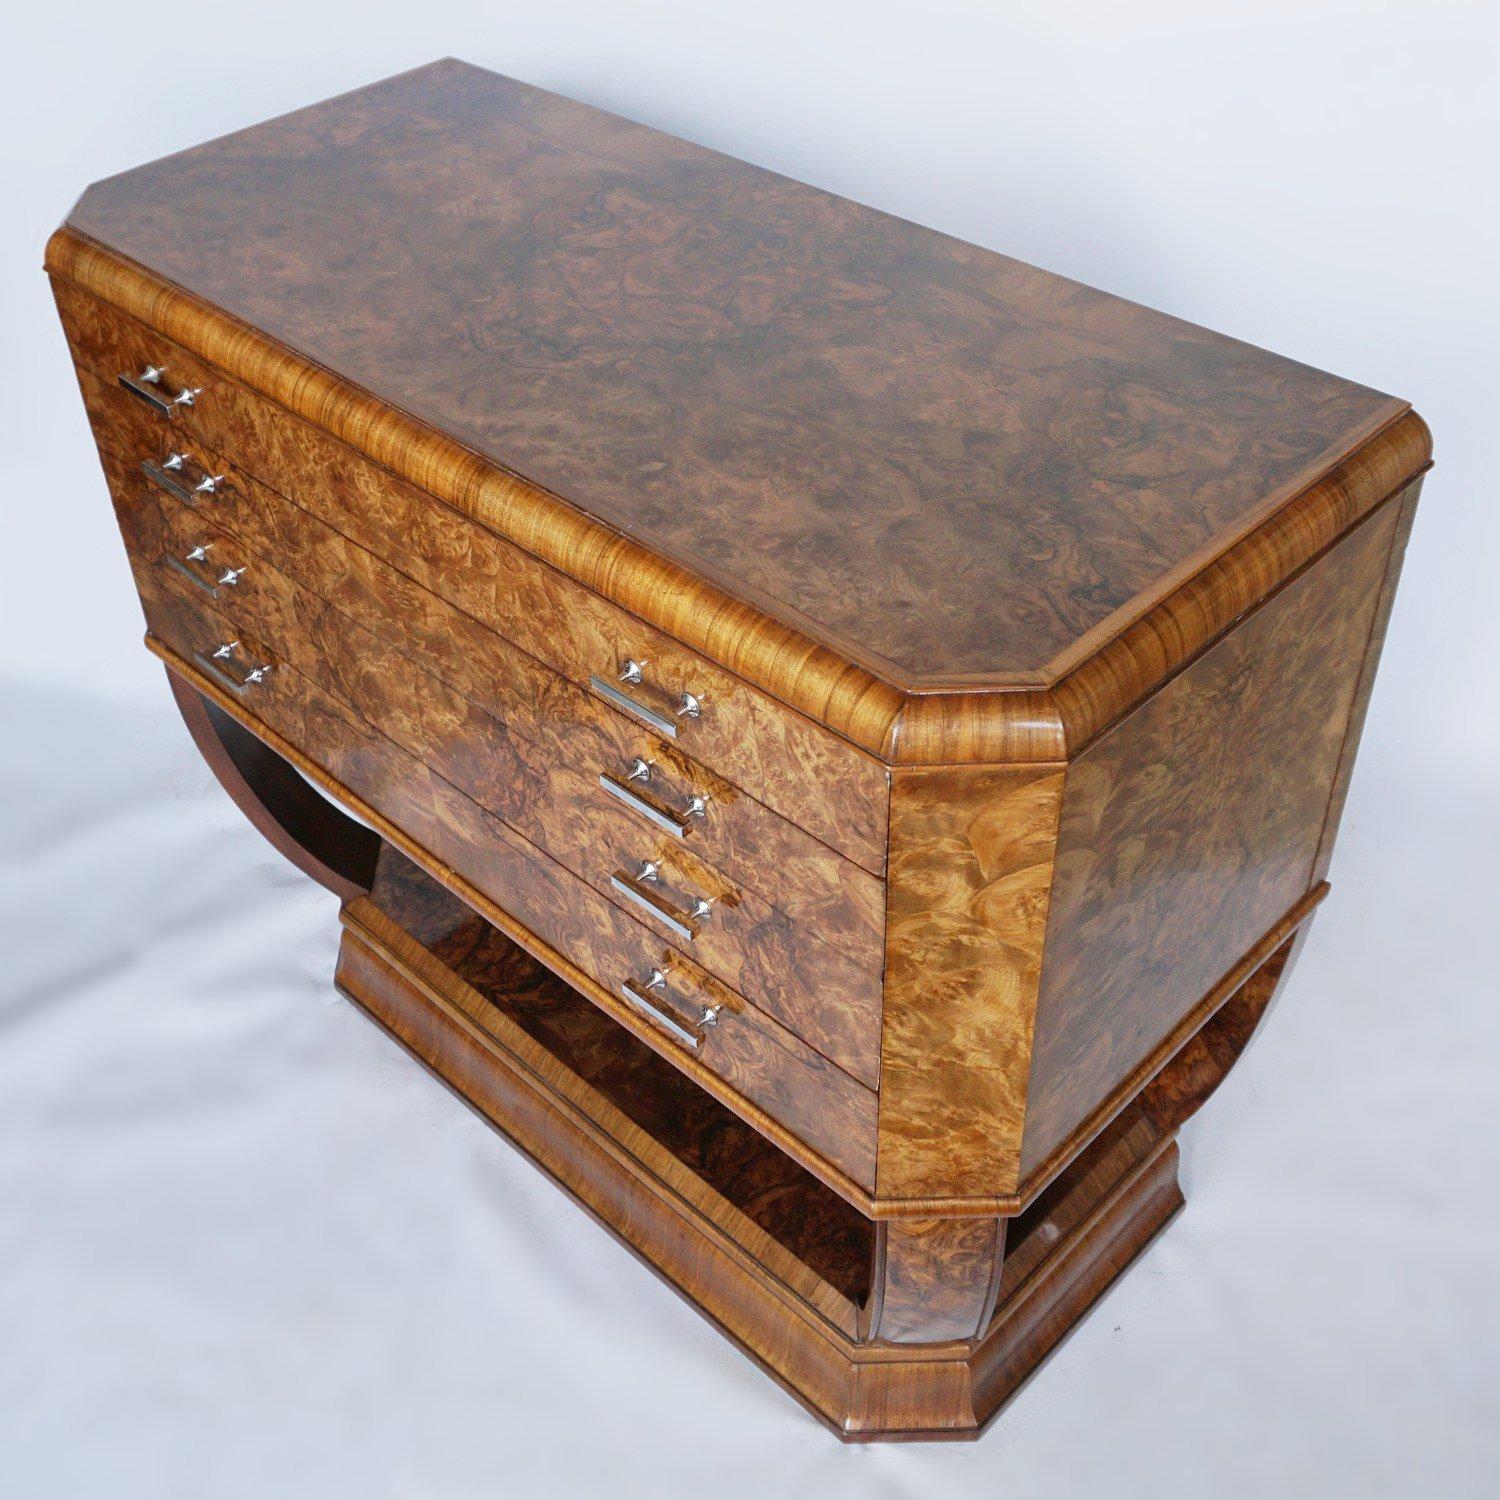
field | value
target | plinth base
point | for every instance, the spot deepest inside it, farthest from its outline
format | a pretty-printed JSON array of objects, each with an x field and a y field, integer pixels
[{"x": 771, "y": 1256}]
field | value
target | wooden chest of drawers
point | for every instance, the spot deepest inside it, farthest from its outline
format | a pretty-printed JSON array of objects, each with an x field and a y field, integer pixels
[{"x": 844, "y": 730}]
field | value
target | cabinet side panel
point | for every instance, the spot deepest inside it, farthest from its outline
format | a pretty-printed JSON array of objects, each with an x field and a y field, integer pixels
[
  {"x": 970, "y": 871},
  {"x": 1407, "y": 504},
  {"x": 1191, "y": 828}
]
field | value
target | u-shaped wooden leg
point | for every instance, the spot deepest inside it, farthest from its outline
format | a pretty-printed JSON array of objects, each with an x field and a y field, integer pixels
[
  {"x": 320, "y": 839},
  {"x": 1187, "y": 1082}
]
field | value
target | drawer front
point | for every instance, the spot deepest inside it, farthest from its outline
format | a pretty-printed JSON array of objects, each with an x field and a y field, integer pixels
[
  {"x": 812, "y": 988},
  {"x": 666, "y": 998},
  {"x": 755, "y": 848},
  {"x": 807, "y": 774}
]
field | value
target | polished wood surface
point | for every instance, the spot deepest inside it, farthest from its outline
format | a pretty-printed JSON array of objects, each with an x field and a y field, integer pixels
[
  {"x": 842, "y": 734},
  {"x": 962, "y": 936},
  {"x": 738, "y": 836},
  {"x": 1189, "y": 830},
  {"x": 825, "y": 997},
  {"x": 775, "y": 388},
  {"x": 935, "y": 1280},
  {"x": 1365, "y": 686},
  {"x": 811, "y": 777},
  {"x": 970, "y": 877},
  {"x": 762, "y": 1064},
  {"x": 1085, "y": 466}
]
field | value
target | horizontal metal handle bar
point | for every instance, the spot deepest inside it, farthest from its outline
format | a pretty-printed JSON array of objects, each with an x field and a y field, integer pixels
[
  {"x": 164, "y": 477},
  {"x": 638, "y": 997},
  {"x": 214, "y": 581},
  {"x": 677, "y": 919},
  {"x": 147, "y": 385},
  {"x": 181, "y": 567},
  {"x": 213, "y": 664},
  {"x": 159, "y": 476},
  {"x": 677, "y": 824},
  {"x": 648, "y": 716}
]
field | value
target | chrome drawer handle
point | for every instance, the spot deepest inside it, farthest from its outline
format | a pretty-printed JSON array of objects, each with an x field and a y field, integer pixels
[
  {"x": 147, "y": 385},
  {"x": 636, "y": 888},
  {"x": 689, "y": 705},
  {"x": 164, "y": 476},
  {"x": 639, "y": 995},
  {"x": 658, "y": 814},
  {"x": 216, "y": 665},
  {"x": 214, "y": 581}
]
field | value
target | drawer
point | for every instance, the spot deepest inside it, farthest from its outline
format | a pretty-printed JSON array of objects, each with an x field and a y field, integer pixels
[
  {"x": 812, "y": 988},
  {"x": 754, "y": 847},
  {"x": 801, "y": 770},
  {"x": 713, "y": 1033}
]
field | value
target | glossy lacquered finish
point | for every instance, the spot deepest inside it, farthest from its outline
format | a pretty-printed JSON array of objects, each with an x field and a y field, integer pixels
[{"x": 844, "y": 732}]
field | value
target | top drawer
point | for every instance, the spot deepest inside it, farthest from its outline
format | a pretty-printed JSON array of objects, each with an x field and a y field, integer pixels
[{"x": 812, "y": 777}]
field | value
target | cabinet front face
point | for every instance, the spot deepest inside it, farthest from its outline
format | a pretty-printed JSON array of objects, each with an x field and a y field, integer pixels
[
  {"x": 710, "y": 718},
  {"x": 737, "y": 940}
]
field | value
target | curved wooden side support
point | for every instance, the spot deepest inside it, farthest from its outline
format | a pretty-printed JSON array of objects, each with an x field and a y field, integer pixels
[
  {"x": 320, "y": 839},
  {"x": 1185, "y": 1085}
]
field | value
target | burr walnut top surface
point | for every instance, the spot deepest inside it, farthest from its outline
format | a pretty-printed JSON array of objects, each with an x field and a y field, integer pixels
[{"x": 947, "y": 466}]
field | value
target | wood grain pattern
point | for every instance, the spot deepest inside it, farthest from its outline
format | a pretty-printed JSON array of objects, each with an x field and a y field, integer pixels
[
  {"x": 1400, "y": 535},
  {"x": 771, "y": 386},
  {"x": 572, "y": 929},
  {"x": 1189, "y": 830},
  {"x": 807, "y": 774},
  {"x": 742, "y": 840},
  {"x": 968, "y": 1101},
  {"x": 820, "y": 994},
  {"x": 970, "y": 876},
  {"x": 935, "y": 1279},
  {"x": 1190, "y": 487}
]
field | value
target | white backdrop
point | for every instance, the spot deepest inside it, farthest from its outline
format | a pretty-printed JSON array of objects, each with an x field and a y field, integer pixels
[{"x": 247, "y": 1250}]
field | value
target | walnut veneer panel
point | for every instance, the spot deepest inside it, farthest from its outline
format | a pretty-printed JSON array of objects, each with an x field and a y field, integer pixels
[
  {"x": 970, "y": 872},
  {"x": 737, "y": 835},
  {"x": 826, "y": 1109},
  {"x": 777, "y": 389},
  {"x": 817, "y": 991},
  {"x": 812, "y": 778},
  {"x": 1190, "y": 829}
]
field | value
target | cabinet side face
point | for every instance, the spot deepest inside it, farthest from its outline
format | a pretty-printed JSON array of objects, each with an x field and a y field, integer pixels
[
  {"x": 969, "y": 876},
  {"x": 1191, "y": 829}
]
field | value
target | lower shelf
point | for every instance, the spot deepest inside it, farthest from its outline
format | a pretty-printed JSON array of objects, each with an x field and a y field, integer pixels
[{"x": 773, "y": 1257}]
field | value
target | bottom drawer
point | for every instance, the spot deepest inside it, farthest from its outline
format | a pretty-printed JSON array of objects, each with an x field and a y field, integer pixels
[{"x": 664, "y": 997}]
